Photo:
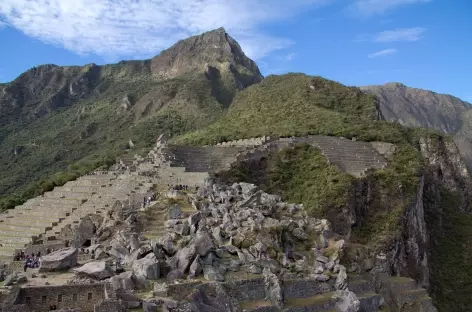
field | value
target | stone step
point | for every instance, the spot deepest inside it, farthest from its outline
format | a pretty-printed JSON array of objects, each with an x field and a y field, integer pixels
[
  {"x": 258, "y": 306},
  {"x": 424, "y": 304},
  {"x": 25, "y": 219},
  {"x": 316, "y": 303},
  {"x": 410, "y": 296},
  {"x": 5, "y": 238},
  {"x": 369, "y": 301},
  {"x": 23, "y": 227},
  {"x": 8, "y": 251},
  {"x": 19, "y": 233},
  {"x": 360, "y": 286},
  {"x": 398, "y": 284}
]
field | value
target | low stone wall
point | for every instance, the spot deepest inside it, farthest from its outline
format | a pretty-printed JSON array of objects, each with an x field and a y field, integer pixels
[
  {"x": 43, "y": 248},
  {"x": 303, "y": 288},
  {"x": 246, "y": 290},
  {"x": 246, "y": 142},
  {"x": 83, "y": 297},
  {"x": 180, "y": 291}
]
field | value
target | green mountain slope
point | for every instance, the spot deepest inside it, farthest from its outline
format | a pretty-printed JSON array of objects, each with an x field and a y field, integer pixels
[
  {"x": 52, "y": 116},
  {"x": 297, "y": 104}
]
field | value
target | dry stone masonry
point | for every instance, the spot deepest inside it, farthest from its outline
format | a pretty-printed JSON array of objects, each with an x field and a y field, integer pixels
[{"x": 209, "y": 247}]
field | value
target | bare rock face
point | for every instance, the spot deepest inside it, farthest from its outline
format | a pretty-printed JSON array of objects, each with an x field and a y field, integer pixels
[
  {"x": 209, "y": 52},
  {"x": 98, "y": 270},
  {"x": 59, "y": 260}
]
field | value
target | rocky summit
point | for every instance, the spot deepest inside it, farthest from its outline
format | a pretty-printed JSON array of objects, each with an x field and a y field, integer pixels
[{"x": 189, "y": 182}]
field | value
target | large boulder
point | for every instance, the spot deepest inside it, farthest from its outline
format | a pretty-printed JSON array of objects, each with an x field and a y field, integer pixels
[
  {"x": 98, "y": 270},
  {"x": 147, "y": 267},
  {"x": 62, "y": 259},
  {"x": 346, "y": 301}
]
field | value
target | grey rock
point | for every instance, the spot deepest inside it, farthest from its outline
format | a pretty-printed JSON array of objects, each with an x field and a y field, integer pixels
[
  {"x": 97, "y": 270},
  {"x": 346, "y": 301},
  {"x": 195, "y": 268},
  {"x": 175, "y": 212},
  {"x": 274, "y": 292},
  {"x": 9, "y": 280},
  {"x": 174, "y": 275},
  {"x": 341, "y": 279},
  {"x": 212, "y": 274},
  {"x": 203, "y": 242},
  {"x": 299, "y": 234},
  {"x": 322, "y": 259},
  {"x": 59, "y": 260},
  {"x": 147, "y": 267},
  {"x": 183, "y": 258},
  {"x": 194, "y": 219},
  {"x": 134, "y": 242}
]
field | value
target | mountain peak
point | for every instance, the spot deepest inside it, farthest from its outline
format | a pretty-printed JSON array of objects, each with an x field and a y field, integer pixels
[
  {"x": 215, "y": 48},
  {"x": 395, "y": 85}
]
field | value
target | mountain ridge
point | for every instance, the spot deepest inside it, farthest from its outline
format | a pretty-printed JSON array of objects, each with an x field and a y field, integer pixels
[{"x": 414, "y": 107}]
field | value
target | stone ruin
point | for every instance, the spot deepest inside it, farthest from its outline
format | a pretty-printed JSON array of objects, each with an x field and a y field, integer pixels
[{"x": 216, "y": 248}]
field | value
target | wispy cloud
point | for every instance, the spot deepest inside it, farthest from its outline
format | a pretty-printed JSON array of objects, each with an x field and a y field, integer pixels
[
  {"x": 400, "y": 34},
  {"x": 395, "y": 35},
  {"x": 367, "y": 8},
  {"x": 139, "y": 28},
  {"x": 382, "y": 53}
]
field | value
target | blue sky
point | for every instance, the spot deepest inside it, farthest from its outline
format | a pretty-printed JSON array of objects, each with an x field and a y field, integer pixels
[{"x": 422, "y": 43}]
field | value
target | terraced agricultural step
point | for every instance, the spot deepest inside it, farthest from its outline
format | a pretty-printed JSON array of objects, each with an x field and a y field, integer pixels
[
  {"x": 7, "y": 251},
  {"x": 410, "y": 296},
  {"x": 258, "y": 306},
  {"x": 30, "y": 221},
  {"x": 423, "y": 304},
  {"x": 317, "y": 303},
  {"x": 23, "y": 227},
  {"x": 19, "y": 233},
  {"x": 369, "y": 301}
]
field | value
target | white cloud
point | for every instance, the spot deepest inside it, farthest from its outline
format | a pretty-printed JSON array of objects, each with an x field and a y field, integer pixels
[
  {"x": 400, "y": 34},
  {"x": 141, "y": 28},
  {"x": 368, "y": 8},
  {"x": 382, "y": 53}
]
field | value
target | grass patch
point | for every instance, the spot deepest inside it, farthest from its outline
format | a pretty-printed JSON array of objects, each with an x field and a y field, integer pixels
[{"x": 303, "y": 175}]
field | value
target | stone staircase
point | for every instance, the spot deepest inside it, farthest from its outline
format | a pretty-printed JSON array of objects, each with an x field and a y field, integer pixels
[{"x": 43, "y": 217}]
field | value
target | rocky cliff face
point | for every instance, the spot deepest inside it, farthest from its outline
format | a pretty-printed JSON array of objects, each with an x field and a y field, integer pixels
[
  {"x": 211, "y": 51},
  {"x": 422, "y": 108}
]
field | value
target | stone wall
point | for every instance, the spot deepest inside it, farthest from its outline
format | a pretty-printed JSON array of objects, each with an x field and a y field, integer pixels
[
  {"x": 246, "y": 142},
  {"x": 41, "y": 298},
  {"x": 246, "y": 290},
  {"x": 303, "y": 288}
]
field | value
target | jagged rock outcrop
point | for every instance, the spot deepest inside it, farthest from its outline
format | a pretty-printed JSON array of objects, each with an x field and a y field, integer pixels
[{"x": 214, "y": 52}]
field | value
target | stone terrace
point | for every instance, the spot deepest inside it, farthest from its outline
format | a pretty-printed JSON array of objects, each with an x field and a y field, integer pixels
[
  {"x": 353, "y": 157},
  {"x": 45, "y": 216}
]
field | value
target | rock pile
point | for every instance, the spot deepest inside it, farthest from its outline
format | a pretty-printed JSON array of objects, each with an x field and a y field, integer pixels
[{"x": 241, "y": 228}]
